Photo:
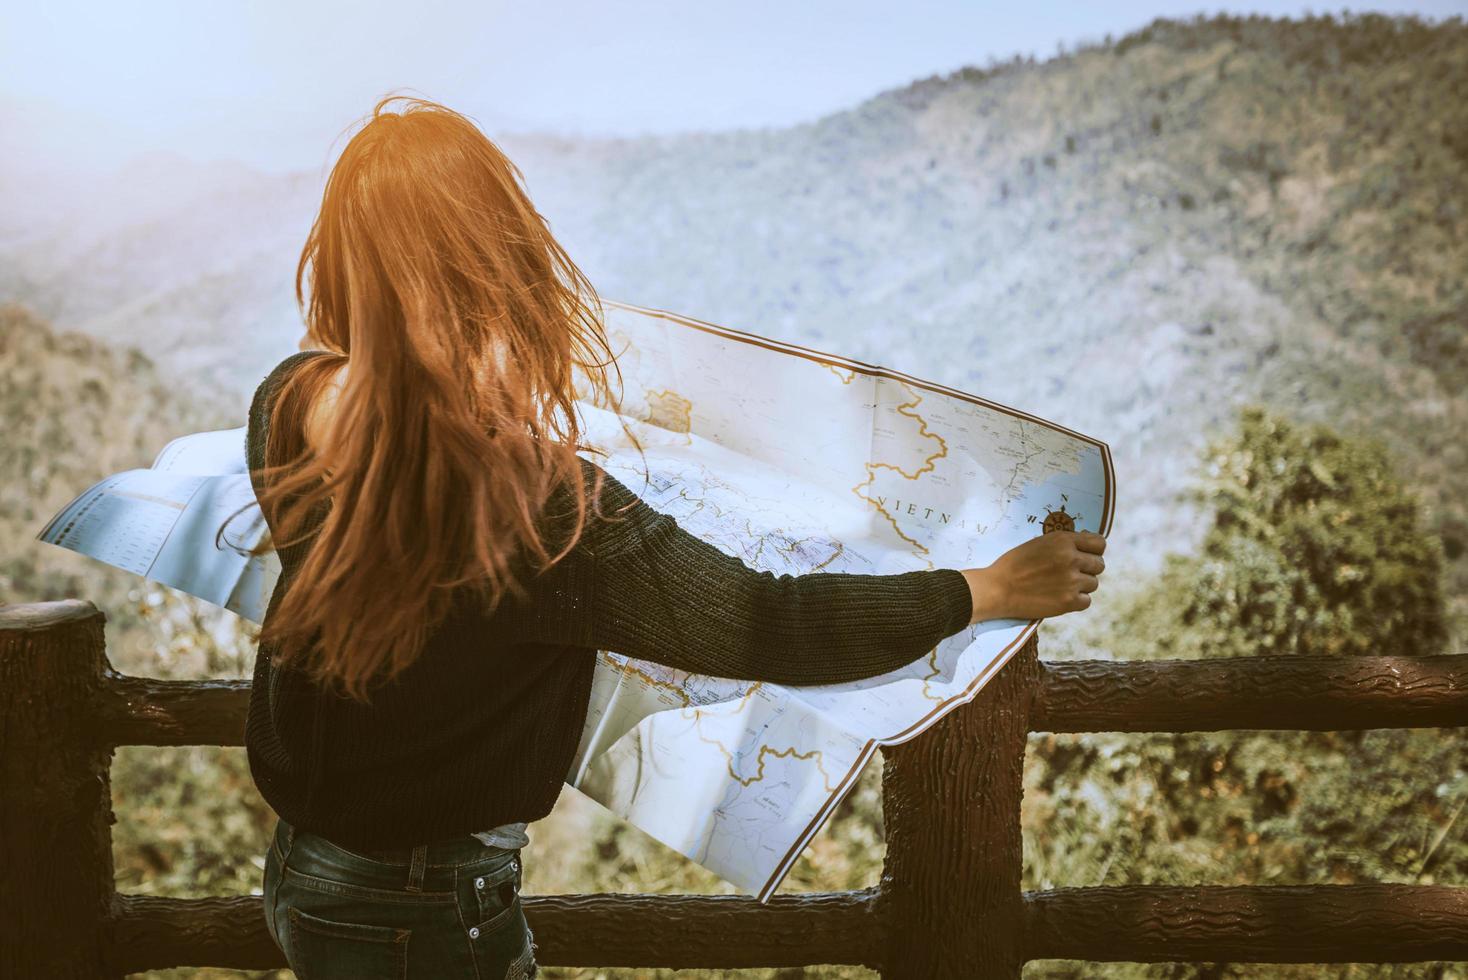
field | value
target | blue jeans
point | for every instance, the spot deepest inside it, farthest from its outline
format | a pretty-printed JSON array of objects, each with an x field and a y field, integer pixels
[{"x": 450, "y": 909}]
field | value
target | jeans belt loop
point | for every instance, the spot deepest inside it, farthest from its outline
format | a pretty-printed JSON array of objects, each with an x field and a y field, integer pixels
[{"x": 415, "y": 871}]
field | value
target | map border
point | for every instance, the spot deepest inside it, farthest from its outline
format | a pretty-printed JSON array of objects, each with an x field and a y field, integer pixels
[{"x": 1108, "y": 508}]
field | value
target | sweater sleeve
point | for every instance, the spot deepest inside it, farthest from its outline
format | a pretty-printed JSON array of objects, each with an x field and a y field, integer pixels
[
  {"x": 640, "y": 585},
  {"x": 262, "y": 404}
]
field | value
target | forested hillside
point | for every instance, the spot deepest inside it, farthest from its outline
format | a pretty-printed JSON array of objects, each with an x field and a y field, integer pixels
[{"x": 73, "y": 410}]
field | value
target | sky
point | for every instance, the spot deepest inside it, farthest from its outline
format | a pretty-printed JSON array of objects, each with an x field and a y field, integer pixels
[{"x": 274, "y": 83}]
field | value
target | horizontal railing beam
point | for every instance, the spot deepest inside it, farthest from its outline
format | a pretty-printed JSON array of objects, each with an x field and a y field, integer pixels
[
  {"x": 1249, "y": 924},
  {"x": 1283, "y": 693},
  {"x": 711, "y": 932},
  {"x": 145, "y": 711},
  {"x": 708, "y": 932},
  {"x": 1143, "y": 923},
  {"x": 153, "y": 933}
]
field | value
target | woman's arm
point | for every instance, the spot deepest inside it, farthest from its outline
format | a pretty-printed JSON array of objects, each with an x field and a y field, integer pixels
[
  {"x": 665, "y": 595},
  {"x": 644, "y": 587},
  {"x": 641, "y": 585}
]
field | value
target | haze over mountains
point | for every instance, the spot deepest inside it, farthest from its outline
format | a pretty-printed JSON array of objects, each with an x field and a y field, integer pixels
[{"x": 1132, "y": 240}]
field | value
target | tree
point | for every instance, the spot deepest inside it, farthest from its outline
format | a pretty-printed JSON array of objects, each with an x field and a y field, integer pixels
[{"x": 1313, "y": 547}]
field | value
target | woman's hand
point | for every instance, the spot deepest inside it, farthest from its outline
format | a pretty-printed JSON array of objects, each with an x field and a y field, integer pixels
[{"x": 1046, "y": 576}]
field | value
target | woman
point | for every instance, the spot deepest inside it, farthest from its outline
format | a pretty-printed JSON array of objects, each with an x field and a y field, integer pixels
[{"x": 450, "y": 565}]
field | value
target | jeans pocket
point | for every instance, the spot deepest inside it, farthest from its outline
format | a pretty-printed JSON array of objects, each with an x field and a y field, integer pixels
[
  {"x": 496, "y": 886},
  {"x": 502, "y": 948},
  {"x": 323, "y": 948},
  {"x": 498, "y": 936}
]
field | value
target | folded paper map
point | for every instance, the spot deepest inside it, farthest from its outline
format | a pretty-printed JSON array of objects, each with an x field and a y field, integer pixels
[{"x": 792, "y": 460}]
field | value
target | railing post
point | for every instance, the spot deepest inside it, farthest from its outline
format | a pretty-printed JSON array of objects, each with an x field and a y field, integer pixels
[
  {"x": 950, "y": 897},
  {"x": 56, "y": 882}
]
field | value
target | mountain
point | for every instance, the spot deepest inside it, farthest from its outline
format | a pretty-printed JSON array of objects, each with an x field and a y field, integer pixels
[{"x": 1133, "y": 239}]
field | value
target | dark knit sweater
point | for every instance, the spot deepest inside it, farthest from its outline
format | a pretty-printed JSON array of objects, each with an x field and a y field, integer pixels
[{"x": 480, "y": 730}]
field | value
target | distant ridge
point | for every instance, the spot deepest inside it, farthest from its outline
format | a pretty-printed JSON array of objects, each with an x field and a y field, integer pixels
[{"x": 1131, "y": 238}]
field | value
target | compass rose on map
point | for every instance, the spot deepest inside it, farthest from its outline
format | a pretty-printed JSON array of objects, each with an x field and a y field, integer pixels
[
  {"x": 1058, "y": 520},
  {"x": 1055, "y": 520}
]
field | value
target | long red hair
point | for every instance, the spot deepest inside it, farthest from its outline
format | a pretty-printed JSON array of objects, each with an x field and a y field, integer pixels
[{"x": 467, "y": 331}]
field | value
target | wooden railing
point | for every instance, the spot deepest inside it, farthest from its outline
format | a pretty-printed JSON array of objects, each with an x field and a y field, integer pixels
[{"x": 949, "y": 903}]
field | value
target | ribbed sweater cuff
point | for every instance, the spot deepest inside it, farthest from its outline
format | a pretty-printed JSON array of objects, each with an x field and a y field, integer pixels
[{"x": 956, "y": 598}]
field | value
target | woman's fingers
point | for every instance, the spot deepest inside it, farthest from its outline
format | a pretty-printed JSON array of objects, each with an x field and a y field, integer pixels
[{"x": 1044, "y": 576}]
